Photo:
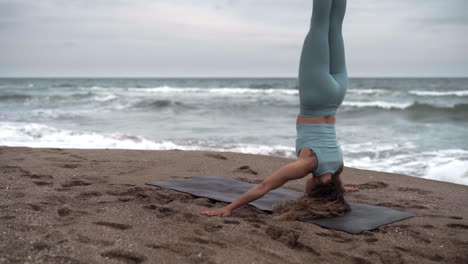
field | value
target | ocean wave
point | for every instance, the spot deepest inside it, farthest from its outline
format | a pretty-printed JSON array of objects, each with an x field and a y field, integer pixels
[
  {"x": 446, "y": 165},
  {"x": 262, "y": 86},
  {"x": 60, "y": 114},
  {"x": 450, "y": 165},
  {"x": 77, "y": 96},
  {"x": 58, "y": 98},
  {"x": 455, "y": 171},
  {"x": 412, "y": 106},
  {"x": 439, "y": 93},
  {"x": 66, "y": 85},
  {"x": 155, "y": 104},
  {"x": 457, "y": 108},
  {"x": 105, "y": 98},
  {"x": 367, "y": 91},
  {"x": 14, "y": 97},
  {"x": 44, "y": 136},
  {"x": 199, "y": 90},
  {"x": 377, "y": 104}
]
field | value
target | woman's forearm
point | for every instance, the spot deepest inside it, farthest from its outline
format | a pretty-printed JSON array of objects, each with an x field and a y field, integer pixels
[
  {"x": 338, "y": 182},
  {"x": 310, "y": 184},
  {"x": 253, "y": 194}
]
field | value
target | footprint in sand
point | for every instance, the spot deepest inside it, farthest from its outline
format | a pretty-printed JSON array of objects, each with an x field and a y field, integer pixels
[
  {"x": 55, "y": 237},
  {"x": 351, "y": 259},
  {"x": 40, "y": 176},
  {"x": 289, "y": 238},
  {"x": 408, "y": 230},
  {"x": 124, "y": 256},
  {"x": 208, "y": 227},
  {"x": 386, "y": 255},
  {"x": 427, "y": 226},
  {"x": 336, "y": 237},
  {"x": 69, "y": 166},
  {"x": 74, "y": 183},
  {"x": 231, "y": 222},
  {"x": 204, "y": 202},
  {"x": 190, "y": 218},
  {"x": 35, "y": 207},
  {"x": 457, "y": 226},
  {"x": 216, "y": 156},
  {"x": 77, "y": 157},
  {"x": 421, "y": 255},
  {"x": 96, "y": 242},
  {"x": 202, "y": 241},
  {"x": 195, "y": 253},
  {"x": 133, "y": 191},
  {"x": 373, "y": 185},
  {"x": 161, "y": 211},
  {"x": 65, "y": 211},
  {"x": 43, "y": 183},
  {"x": 181, "y": 197},
  {"x": 416, "y": 190},
  {"x": 246, "y": 169},
  {"x": 7, "y": 217},
  {"x": 14, "y": 169},
  {"x": 255, "y": 221},
  {"x": 55, "y": 159},
  {"x": 125, "y": 199},
  {"x": 57, "y": 149},
  {"x": 89, "y": 194},
  {"x": 113, "y": 225},
  {"x": 18, "y": 194},
  {"x": 58, "y": 259},
  {"x": 56, "y": 200},
  {"x": 40, "y": 245}
]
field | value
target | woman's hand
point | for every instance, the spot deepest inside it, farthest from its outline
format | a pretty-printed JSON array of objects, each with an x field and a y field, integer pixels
[{"x": 221, "y": 211}]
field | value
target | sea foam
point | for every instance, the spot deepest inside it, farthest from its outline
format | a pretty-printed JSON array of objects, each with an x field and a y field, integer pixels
[
  {"x": 439, "y": 93},
  {"x": 44, "y": 136}
]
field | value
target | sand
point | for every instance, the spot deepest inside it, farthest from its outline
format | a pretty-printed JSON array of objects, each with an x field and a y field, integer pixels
[{"x": 92, "y": 206}]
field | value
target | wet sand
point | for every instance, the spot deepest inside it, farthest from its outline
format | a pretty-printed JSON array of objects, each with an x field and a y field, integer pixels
[{"x": 92, "y": 206}]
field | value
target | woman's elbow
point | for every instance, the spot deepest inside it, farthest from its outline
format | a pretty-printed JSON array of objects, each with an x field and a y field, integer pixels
[{"x": 265, "y": 187}]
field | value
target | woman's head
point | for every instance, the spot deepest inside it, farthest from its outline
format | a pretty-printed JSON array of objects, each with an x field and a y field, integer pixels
[{"x": 325, "y": 200}]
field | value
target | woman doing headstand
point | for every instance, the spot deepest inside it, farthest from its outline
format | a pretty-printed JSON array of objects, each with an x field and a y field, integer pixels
[{"x": 323, "y": 82}]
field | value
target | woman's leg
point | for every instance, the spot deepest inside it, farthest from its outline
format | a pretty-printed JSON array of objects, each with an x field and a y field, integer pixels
[
  {"x": 337, "y": 51},
  {"x": 315, "y": 55}
]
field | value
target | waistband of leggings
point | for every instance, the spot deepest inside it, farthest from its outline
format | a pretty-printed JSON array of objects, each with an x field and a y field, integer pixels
[{"x": 317, "y": 127}]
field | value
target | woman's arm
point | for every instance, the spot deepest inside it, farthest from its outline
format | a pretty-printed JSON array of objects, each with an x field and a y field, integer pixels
[
  {"x": 292, "y": 171},
  {"x": 337, "y": 179},
  {"x": 310, "y": 184}
]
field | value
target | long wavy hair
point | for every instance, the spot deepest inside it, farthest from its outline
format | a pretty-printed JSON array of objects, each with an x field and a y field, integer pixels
[{"x": 325, "y": 200}]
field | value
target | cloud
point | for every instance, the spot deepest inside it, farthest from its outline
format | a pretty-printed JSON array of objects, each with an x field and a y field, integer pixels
[{"x": 224, "y": 37}]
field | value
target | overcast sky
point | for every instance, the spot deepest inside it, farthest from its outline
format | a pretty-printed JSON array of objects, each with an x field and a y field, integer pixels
[{"x": 167, "y": 38}]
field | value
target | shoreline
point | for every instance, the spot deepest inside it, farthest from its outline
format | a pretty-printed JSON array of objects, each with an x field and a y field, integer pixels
[{"x": 92, "y": 206}]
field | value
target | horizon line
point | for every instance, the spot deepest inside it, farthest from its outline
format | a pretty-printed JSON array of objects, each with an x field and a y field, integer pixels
[{"x": 219, "y": 77}]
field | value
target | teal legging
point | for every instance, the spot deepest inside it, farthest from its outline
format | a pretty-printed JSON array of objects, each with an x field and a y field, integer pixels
[
  {"x": 323, "y": 79},
  {"x": 323, "y": 82}
]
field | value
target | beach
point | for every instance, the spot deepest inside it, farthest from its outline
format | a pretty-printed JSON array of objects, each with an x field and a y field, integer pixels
[{"x": 64, "y": 205}]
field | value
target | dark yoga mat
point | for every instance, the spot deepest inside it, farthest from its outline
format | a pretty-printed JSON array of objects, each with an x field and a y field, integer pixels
[{"x": 361, "y": 218}]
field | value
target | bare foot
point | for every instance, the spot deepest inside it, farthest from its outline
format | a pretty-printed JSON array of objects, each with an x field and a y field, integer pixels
[{"x": 222, "y": 211}]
